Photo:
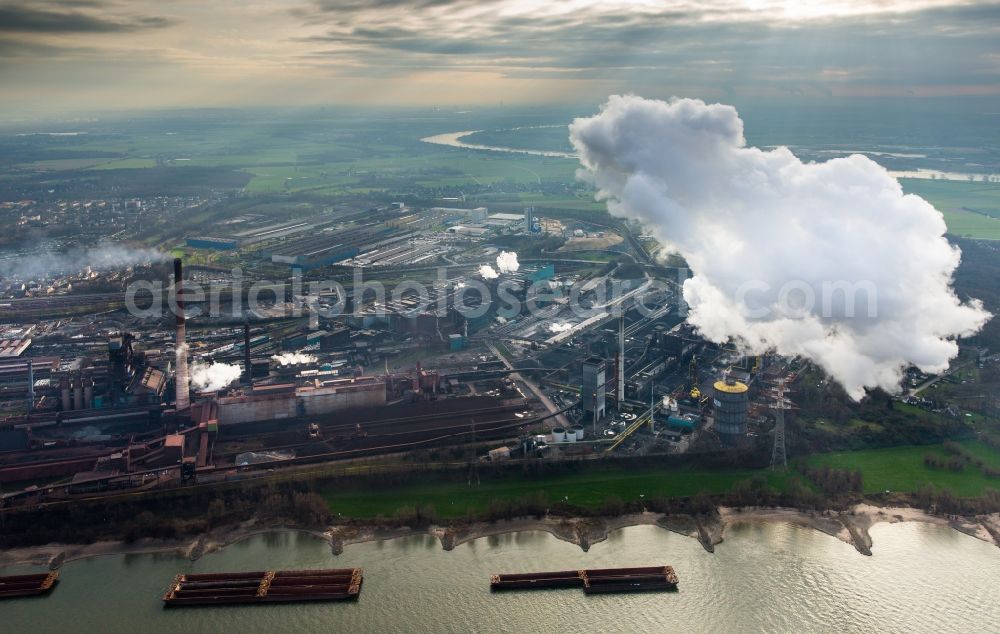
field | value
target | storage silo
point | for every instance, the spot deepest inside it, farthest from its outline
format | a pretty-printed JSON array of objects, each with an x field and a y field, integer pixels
[
  {"x": 732, "y": 399},
  {"x": 65, "y": 393},
  {"x": 578, "y": 432},
  {"x": 559, "y": 434}
]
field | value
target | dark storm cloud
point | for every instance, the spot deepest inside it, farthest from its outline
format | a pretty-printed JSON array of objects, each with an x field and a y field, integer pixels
[
  {"x": 355, "y": 6},
  {"x": 397, "y": 39},
  {"x": 50, "y": 18},
  {"x": 77, "y": 4},
  {"x": 345, "y": 12},
  {"x": 10, "y": 48},
  {"x": 473, "y": 51},
  {"x": 934, "y": 46}
]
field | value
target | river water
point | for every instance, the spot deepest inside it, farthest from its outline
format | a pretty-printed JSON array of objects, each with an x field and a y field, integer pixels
[
  {"x": 455, "y": 139},
  {"x": 764, "y": 577}
]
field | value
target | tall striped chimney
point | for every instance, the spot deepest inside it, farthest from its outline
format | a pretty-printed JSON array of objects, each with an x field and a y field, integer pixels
[
  {"x": 180, "y": 345},
  {"x": 620, "y": 366}
]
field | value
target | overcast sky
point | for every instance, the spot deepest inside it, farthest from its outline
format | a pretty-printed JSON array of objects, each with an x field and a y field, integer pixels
[{"x": 66, "y": 55}]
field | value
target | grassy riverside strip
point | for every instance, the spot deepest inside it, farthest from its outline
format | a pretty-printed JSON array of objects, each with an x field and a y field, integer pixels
[
  {"x": 316, "y": 500},
  {"x": 894, "y": 469},
  {"x": 589, "y": 490}
]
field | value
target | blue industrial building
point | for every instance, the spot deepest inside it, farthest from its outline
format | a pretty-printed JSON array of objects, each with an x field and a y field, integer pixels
[{"x": 217, "y": 244}]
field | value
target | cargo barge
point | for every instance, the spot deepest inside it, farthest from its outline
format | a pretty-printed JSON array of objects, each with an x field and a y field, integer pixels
[
  {"x": 27, "y": 585},
  {"x": 593, "y": 581},
  {"x": 264, "y": 587}
]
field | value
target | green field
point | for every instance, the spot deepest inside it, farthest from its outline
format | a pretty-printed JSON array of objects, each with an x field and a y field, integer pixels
[
  {"x": 970, "y": 209},
  {"x": 970, "y": 225},
  {"x": 435, "y": 168},
  {"x": 589, "y": 489},
  {"x": 128, "y": 163},
  {"x": 902, "y": 469},
  {"x": 843, "y": 430},
  {"x": 895, "y": 469},
  {"x": 57, "y": 165}
]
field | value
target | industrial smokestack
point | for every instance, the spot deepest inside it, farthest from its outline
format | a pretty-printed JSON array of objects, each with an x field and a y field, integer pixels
[
  {"x": 31, "y": 386},
  {"x": 183, "y": 400},
  {"x": 64, "y": 393},
  {"x": 78, "y": 392},
  {"x": 88, "y": 393},
  {"x": 247, "y": 364},
  {"x": 620, "y": 387}
]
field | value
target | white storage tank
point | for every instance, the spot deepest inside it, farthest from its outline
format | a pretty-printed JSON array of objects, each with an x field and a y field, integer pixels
[
  {"x": 559, "y": 434},
  {"x": 578, "y": 432}
]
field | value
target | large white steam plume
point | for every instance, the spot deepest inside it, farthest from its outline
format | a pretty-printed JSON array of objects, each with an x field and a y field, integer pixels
[
  {"x": 102, "y": 257},
  {"x": 214, "y": 376},
  {"x": 830, "y": 261},
  {"x": 507, "y": 262},
  {"x": 291, "y": 358},
  {"x": 487, "y": 272}
]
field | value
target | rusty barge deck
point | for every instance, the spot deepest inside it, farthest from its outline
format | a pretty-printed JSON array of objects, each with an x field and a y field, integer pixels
[
  {"x": 27, "y": 585},
  {"x": 593, "y": 581},
  {"x": 264, "y": 587}
]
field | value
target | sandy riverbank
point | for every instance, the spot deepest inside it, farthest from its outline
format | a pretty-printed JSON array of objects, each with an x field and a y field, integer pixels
[
  {"x": 849, "y": 526},
  {"x": 56, "y": 555},
  {"x": 852, "y": 526}
]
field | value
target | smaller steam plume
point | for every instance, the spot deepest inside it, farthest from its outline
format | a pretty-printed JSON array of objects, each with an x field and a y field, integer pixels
[
  {"x": 560, "y": 326},
  {"x": 507, "y": 262},
  {"x": 102, "y": 257},
  {"x": 291, "y": 358},
  {"x": 213, "y": 377}
]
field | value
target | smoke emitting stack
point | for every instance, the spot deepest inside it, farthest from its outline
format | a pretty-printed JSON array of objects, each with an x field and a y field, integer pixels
[
  {"x": 182, "y": 380},
  {"x": 247, "y": 363}
]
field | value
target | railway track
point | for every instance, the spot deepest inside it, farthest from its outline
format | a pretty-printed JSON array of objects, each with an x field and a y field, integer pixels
[{"x": 484, "y": 420}]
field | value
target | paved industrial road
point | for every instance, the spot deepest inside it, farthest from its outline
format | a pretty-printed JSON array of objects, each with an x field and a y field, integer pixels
[
  {"x": 537, "y": 391},
  {"x": 929, "y": 382}
]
